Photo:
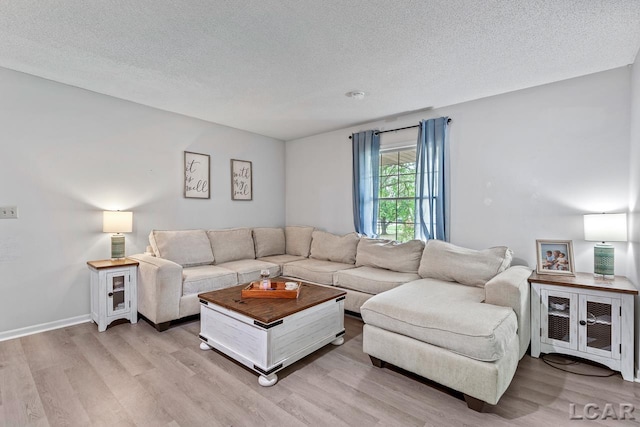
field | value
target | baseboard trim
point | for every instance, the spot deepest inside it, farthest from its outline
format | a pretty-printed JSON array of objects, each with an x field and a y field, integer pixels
[{"x": 30, "y": 330}]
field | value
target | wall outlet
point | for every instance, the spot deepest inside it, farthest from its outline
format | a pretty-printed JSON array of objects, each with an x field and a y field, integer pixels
[{"x": 7, "y": 212}]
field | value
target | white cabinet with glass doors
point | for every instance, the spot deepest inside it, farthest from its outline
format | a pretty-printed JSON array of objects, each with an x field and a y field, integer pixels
[{"x": 585, "y": 317}]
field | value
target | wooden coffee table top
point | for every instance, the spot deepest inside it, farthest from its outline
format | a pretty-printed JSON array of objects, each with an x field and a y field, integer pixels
[{"x": 267, "y": 310}]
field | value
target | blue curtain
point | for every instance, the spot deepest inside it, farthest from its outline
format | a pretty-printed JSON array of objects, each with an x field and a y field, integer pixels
[
  {"x": 366, "y": 171},
  {"x": 432, "y": 209}
]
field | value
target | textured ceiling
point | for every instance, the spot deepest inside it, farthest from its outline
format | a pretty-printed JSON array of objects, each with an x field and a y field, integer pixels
[{"x": 282, "y": 67}]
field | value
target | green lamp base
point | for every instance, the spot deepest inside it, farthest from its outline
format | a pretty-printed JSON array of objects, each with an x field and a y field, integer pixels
[
  {"x": 117, "y": 246},
  {"x": 603, "y": 260}
]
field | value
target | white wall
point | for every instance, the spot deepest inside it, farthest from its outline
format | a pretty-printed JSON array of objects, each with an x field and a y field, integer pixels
[
  {"x": 634, "y": 194},
  {"x": 67, "y": 154},
  {"x": 524, "y": 166}
]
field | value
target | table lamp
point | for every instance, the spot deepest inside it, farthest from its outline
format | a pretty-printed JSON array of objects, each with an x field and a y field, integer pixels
[
  {"x": 117, "y": 222},
  {"x": 604, "y": 228}
]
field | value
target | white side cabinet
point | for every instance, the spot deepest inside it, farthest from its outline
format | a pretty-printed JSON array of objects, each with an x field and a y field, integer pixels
[
  {"x": 585, "y": 317},
  {"x": 113, "y": 291}
]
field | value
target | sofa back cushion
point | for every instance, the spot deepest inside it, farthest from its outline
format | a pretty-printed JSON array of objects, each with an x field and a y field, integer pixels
[
  {"x": 298, "y": 240},
  {"x": 390, "y": 255},
  {"x": 331, "y": 247},
  {"x": 268, "y": 241},
  {"x": 185, "y": 247},
  {"x": 232, "y": 244},
  {"x": 444, "y": 261}
]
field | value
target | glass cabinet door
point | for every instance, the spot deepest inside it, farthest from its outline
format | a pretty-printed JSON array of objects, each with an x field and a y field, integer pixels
[
  {"x": 117, "y": 292},
  {"x": 599, "y": 326},
  {"x": 559, "y": 319}
]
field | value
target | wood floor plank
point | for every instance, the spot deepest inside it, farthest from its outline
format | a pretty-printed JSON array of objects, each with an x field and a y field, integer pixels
[
  {"x": 140, "y": 406},
  {"x": 133, "y": 361},
  {"x": 20, "y": 403},
  {"x": 173, "y": 401},
  {"x": 332, "y": 403},
  {"x": 156, "y": 349},
  {"x": 98, "y": 401},
  {"x": 61, "y": 403},
  {"x": 255, "y": 404},
  {"x": 383, "y": 411},
  {"x": 309, "y": 414},
  {"x": 131, "y": 375},
  {"x": 50, "y": 349}
]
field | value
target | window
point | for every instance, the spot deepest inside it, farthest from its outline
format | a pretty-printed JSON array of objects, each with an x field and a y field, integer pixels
[
  {"x": 397, "y": 194},
  {"x": 412, "y": 192}
]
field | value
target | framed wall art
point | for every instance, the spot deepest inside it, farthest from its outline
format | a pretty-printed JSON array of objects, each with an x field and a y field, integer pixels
[
  {"x": 241, "y": 180},
  {"x": 196, "y": 175},
  {"x": 555, "y": 257}
]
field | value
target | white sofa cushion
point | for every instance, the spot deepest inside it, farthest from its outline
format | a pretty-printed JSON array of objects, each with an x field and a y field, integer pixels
[
  {"x": 281, "y": 259},
  {"x": 248, "y": 270},
  {"x": 446, "y": 315},
  {"x": 444, "y": 261},
  {"x": 371, "y": 280},
  {"x": 268, "y": 241},
  {"x": 313, "y": 270},
  {"x": 231, "y": 245},
  {"x": 206, "y": 278},
  {"x": 389, "y": 254},
  {"x": 185, "y": 247},
  {"x": 331, "y": 247},
  {"x": 298, "y": 240}
]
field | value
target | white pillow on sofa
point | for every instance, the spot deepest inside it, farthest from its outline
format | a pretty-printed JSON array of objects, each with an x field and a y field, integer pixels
[
  {"x": 185, "y": 247},
  {"x": 298, "y": 240},
  {"x": 390, "y": 255},
  {"x": 232, "y": 244},
  {"x": 268, "y": 241},
  {"x": 445, "y": 261},
  {"x": 331, "y": 247}
]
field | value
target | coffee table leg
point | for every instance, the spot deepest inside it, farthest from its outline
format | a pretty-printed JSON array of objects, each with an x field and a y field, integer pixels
[
  {"x": 204, "y": 346},
  {"x": 267, "y": 381},
  {"x": 338, "y": 341}
]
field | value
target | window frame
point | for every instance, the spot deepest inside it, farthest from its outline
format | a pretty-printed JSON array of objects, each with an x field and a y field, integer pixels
[{"x": 397, "y": 149}]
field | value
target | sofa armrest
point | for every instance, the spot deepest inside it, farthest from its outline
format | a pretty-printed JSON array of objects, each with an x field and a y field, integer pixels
[
  {"x": 511, "y": 289},
  {"x": 159, "y": 288}
]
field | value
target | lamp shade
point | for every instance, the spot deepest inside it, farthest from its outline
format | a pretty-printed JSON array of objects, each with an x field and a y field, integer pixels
[
  {"x": 117, "y": 222},
  {"x": 605, "y": 227}
]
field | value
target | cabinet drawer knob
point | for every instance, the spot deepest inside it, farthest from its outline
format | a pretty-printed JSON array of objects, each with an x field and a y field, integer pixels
[
  {"x": 110, "y": 294},
  {"x": 582, "y": 322}
]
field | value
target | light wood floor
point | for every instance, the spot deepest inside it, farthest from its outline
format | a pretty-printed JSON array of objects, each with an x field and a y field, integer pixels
[{"x": 132, "y": 375}]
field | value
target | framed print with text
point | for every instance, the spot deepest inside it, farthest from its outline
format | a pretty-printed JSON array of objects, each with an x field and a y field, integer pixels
[
  {"x": 241, "y": 180},
  {"x": 196, "y": 175}
]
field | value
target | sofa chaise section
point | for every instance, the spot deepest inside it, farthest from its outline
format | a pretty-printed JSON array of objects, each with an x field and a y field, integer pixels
[{"x": 464, "y": 324}]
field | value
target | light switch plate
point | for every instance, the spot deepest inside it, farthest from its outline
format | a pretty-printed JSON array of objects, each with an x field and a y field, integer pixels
[{"x": 8, "y": 212}]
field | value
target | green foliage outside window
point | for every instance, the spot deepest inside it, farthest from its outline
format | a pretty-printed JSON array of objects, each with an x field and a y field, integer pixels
[{"x": 396, "y": 212}]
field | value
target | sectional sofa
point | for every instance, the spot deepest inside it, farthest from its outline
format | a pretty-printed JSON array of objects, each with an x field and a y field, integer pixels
[{"x": 457, "y": 316}]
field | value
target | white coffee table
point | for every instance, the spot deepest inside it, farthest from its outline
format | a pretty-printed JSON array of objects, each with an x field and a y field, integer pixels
[{"x": 267, "y": 335}]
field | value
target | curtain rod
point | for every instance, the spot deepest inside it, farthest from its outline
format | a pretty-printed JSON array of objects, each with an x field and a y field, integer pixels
[{"x": 394, "y": 130}]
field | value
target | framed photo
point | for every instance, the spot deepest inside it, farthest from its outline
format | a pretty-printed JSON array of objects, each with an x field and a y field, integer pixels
[
  {"x": 241, "y": 180},
  {"x": 196, "y": 175},
  {"x": 555, "y": 257}
]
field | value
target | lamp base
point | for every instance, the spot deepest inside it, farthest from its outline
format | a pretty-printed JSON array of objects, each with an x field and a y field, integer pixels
[
  {"x": 603, "y": 260},
  {"x": 117, "y": 246}
]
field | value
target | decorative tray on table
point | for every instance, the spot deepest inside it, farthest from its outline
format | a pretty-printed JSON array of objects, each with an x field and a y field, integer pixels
[{"x": 277, "y": 289}]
